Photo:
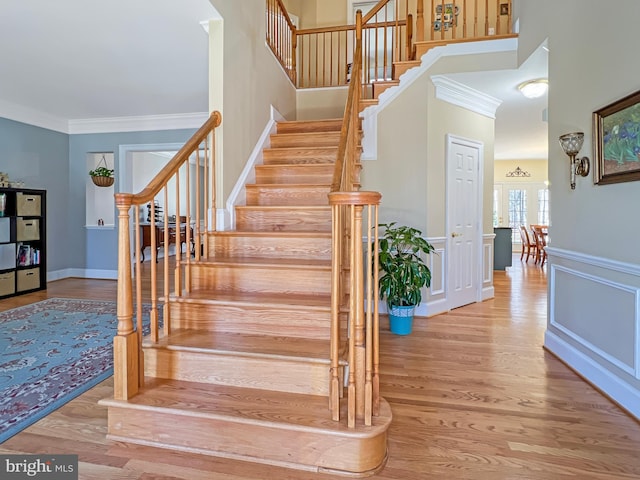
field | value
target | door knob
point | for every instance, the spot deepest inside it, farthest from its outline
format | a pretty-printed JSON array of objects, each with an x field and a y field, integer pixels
[{"x": 454, "y": 235}]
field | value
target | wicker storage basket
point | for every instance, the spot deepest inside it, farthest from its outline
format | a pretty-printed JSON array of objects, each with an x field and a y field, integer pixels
[{"x": 103, "y": 181}]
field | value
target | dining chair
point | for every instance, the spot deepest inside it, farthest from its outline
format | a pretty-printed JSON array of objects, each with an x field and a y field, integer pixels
[
  {"x": 528, "y": 244},
  {"x": 541, "y": 244}
]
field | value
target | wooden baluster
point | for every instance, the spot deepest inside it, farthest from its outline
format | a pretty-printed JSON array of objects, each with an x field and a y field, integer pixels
[
  {"x": 368, "y": 376},
  {"x": 153, "y": 314},
  {"x": 335, "y": 384},
  {"x": 486, "y": 17},
  {"x": 498, "y": 17},
  {"x": 420, "y": 21},
  {"x": 454, "y": 20},
  {"x": 187, "y": 201},
  {"x": 196, "y": 231},
  {"x": 376, "y": 316},
  {"x": 294, "y": 60},
  {"x": 138, "y": 278},
  {"x": 214, "y": 205},
  {"x": 475, "y": 19},
  {"x": 126, "y": 351},
  {"x": 178, "y": 270},
  {"x": 409, "y": 35},
  {"x": 165, "y": 270},
  {"x": 464, "y": 19},
  {"x": 442, "y": 4},
  {"x": 352, "y": 388},
  {"x": 207, "y": 209}
]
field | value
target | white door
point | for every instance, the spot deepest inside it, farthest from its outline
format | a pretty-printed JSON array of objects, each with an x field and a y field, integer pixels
[{"x": 464, "y": 214}]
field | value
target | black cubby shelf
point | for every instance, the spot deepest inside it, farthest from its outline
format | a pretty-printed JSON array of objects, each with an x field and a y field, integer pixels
[{"x": 22, "y": 241}]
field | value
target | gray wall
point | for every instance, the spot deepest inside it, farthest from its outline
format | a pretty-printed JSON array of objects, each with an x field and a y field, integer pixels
[
  {"x": 97, "y": 249},
  {"x": 594, "y": 260},
  {"x": 40, "y": 158}
]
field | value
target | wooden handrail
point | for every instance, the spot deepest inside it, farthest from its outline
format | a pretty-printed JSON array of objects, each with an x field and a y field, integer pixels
[
  {"x": 286, "y": 15},
  {"x": 128, "y": 356},
  {"x": 159, "y": 181},
  {"x": 374, "y": 11}
]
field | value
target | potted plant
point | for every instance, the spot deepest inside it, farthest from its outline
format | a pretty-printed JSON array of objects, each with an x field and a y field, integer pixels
[
  {"x": 102, "y": 176},
  {"x": 403, "y": 273}
]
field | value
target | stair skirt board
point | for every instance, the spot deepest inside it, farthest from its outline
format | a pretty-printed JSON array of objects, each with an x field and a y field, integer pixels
[{"x": 332, "y": 449}]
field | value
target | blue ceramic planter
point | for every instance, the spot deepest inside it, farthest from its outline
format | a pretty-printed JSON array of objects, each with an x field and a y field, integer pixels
[{"x": 401, "y": 320}]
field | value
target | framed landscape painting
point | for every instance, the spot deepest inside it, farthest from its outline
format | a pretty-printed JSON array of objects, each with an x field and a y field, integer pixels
[{"x": 616, "y": 136}]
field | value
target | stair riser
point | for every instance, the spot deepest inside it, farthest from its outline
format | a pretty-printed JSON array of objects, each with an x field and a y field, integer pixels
[
  {"x": 254, "y": 220},
  {"x": 310, "y": 126},
  {"x": 294, "y": 174},
  {"x": 305, "y": 449},
  {"x": 303, "y": 248},
  {"x": 326, "y": 139},
  {"x": 261, "y": 372},
  {"x": 299, "y": 156},
  {"x": 263, "y": 280},
  {"x": 300, "y": 196},
  {"x": 401, "y": 67},
  {"x": 268, "y": 320}
]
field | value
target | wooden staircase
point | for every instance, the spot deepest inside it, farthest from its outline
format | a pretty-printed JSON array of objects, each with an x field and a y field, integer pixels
[{"x": 245, "y": 371}]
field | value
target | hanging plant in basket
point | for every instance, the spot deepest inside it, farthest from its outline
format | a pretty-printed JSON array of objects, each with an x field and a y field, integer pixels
[{"x": 102, "y": 176}]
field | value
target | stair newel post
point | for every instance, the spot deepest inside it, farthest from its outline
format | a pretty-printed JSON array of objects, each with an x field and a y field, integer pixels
[
  {"x": 357, "y": 310},
  {"x": 126, "y": 348}
]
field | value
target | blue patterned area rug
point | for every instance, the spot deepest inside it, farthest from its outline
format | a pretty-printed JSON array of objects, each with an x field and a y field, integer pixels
[{"x": 51, "y": 352}]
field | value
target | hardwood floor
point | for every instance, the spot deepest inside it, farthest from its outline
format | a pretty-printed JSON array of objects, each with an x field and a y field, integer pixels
[{"x": 473, "y": 394}]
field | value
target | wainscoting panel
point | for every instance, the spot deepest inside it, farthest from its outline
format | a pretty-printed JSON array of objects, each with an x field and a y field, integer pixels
[
  {"x": 578, "y": 297},
  {"x": 436, "y": 299},
  {"x": 594, "y": 322},
  {"x": 488, "y": 290}
]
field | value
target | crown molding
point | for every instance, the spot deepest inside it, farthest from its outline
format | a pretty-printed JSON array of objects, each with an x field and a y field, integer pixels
[
  {"x": 466, "y": 97},
  {"x": 36, "y": 118},
  {"x": 31, "y": 116},
  {"x": 137, "y": 124}
]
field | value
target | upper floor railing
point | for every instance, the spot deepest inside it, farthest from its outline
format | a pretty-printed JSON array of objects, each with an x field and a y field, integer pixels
[{"x": 323, "y": 57}]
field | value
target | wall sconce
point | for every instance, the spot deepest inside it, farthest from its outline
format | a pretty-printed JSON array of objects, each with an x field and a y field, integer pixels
[{"x": 571, "y": 143}]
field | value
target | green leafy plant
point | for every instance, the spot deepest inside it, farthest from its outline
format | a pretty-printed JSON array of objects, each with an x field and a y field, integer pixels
[
  {"x": 101, "y": 172},
  {"x": 404, "y": 271}
]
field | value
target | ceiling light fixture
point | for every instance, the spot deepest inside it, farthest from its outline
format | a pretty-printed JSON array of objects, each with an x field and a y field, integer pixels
[{"x": 534, "y": 88}]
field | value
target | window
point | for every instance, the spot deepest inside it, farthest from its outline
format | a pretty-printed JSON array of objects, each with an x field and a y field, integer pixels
[{"x": 520, "y": 203}]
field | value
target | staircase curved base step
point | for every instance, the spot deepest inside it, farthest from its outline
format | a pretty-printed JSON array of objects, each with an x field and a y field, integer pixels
[{"x": 290, "y": 430}]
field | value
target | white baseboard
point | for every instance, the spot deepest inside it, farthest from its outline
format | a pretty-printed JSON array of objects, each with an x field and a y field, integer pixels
[
  {"x": 617, "y": 389},
  {"x": 488, "y": 292},
  {"x": 82, "y": 273}
]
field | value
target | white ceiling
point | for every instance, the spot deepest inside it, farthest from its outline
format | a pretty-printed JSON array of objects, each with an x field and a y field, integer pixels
[
  {"x": 80, "y": 59},
  {"x": 84, "y": 59},
  {"x": 521, "y": 129}
]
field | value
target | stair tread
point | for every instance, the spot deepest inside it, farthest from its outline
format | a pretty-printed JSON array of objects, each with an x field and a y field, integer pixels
[
  {"x": 246, "y": 344},
  {"x": 316, "y": 302},
  {"x": 248, "y": 405},
  {"x": 266, "y": 262}
]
